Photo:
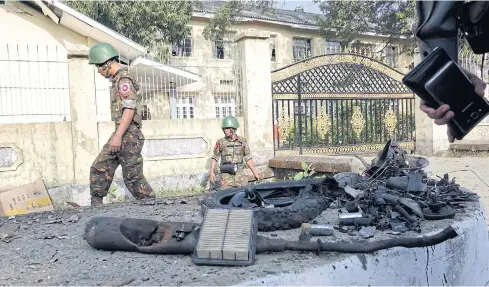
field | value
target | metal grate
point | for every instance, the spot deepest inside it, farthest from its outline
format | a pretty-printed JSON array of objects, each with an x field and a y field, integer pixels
[
  {"x": 34, "y": 84},
  {"x": 340, "y": 78},
  {"x": 212, "y": 235},
  {"x": 226, "y": 236},
  {"x": 340, "y": 103}
]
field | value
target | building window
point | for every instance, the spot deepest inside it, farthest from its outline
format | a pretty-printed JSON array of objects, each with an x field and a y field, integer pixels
[
  {"x": 182, "y": 48},
  {"x": 272, "y": 48},
  {"x": 333, "y": 47},
  {"x": 186, "y": 108},
  {"x": 301, "y": 49},
  {"x": 222, "y": 49},
  {"x": 224, "y": 106},
  {"x": 391, "y": 55},
  {"x": 226, "y": 82}
]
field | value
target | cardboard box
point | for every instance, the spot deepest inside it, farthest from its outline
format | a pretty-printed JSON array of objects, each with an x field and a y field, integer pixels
[{"x": 32, "y": 197}]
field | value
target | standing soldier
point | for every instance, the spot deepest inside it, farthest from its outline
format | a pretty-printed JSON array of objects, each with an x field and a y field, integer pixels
[
  {"x": 234, "y": 153},
  {"x": 125, "y": 145}
]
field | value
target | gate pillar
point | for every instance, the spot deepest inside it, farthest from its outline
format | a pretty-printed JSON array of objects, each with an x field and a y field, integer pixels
[
  {"x": 430, "y": 138},
  {"x": 255, "y": 63}
]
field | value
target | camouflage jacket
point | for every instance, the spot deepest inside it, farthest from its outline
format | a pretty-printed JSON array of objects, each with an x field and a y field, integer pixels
[
  {"x": 124, "y": 95},
  {"x": 229, "y": 151}
]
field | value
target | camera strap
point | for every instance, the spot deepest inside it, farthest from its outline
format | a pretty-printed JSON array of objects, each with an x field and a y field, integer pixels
[{"x": 473, "y": 18}]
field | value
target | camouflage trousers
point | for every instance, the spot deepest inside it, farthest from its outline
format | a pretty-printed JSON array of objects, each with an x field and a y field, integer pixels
[
  {"x": 130, "y": 158},
  {"x": 234, "y": 180}
]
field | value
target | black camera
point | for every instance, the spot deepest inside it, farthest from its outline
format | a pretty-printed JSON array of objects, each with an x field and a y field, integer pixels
[
  {"x": 473, "y": 22},
  {"x": 439, "y": 80}
]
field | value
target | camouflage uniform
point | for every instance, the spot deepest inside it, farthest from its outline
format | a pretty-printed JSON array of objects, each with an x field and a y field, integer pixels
[
  {"x": 124, "y": 94},
  {"x": 238, "y": 152}
]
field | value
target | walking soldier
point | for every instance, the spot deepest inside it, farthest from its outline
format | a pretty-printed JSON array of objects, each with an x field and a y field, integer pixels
[
  {"x": 125, "y": 145},
  {"x": 234, "y": 153}
]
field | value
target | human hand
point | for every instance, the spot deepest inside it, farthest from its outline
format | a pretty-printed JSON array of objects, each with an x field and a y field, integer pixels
[
  {"x": 443, "y": 114},
  {"x": 212, "y": 177},
  {"x": 115, "y": 143},
  {"x": 257, "y": 176}
]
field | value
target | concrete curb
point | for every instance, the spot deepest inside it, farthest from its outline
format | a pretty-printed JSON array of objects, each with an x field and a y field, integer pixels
[
  {"x": 460, "y": 261},
  {"x": 326, "y": 164}
]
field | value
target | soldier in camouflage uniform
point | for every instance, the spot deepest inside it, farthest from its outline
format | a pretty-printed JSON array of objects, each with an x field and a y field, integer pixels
[
  {"x": 125, "y": 145},
  {"x": 232, "y": 150}
]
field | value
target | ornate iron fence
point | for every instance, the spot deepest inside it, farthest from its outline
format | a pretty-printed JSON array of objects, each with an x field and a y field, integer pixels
[{"x": 340, "y": 103}]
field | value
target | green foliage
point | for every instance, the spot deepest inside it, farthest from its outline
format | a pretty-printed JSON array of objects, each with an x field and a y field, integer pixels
[
  {"x": 165, "y": 192},
  {"x": 157, "y": 24},
  {"x": 112, "y": 195},
  {"x": 153, "y": 24},
  {"x": 307, "y": 172},
  {"x": 346, "y": 20}
]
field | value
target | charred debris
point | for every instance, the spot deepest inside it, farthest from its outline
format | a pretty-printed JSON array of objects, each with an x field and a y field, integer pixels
[{"x": 395, "y": 193}]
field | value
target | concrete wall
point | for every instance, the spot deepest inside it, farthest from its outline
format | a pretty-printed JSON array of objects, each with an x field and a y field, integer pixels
[
  {"x": 38, "y": 150},
  {"x": 28, "y": 26},
  {"x": 176, "y": 152},
  {"x": 283, "y": 34},
  {"x": 460, "y": 261}
]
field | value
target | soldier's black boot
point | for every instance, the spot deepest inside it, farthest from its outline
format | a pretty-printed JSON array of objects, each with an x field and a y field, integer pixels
[{"x": 96, "y": 200}]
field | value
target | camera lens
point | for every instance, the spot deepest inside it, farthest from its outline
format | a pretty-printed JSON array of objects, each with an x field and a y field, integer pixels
[{"x": 474, "y": 115}]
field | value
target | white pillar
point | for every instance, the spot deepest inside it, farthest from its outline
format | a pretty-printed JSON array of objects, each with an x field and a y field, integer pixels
[
  {"x": 255, "y": 63},
  {"x": 430, "y": 138},
  {"x": 83, "y": 113}
]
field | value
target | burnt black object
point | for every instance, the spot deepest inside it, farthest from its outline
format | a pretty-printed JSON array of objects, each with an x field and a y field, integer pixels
[
  {"x": 155, "y": 237},
  {"x": 412, "y": 183},
  {"x": 438, "y": 211},
  {"x": 141, "y": 235},
  {"x": 302, "y": 201}
]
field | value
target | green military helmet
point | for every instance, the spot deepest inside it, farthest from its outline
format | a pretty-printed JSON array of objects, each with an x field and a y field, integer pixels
[
  {"x": 230, "y": 122},
  {"x": 101, "y": 52}
]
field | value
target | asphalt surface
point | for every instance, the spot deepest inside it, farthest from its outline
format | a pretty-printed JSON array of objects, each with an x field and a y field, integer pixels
[{"x": 48, "y": 249}]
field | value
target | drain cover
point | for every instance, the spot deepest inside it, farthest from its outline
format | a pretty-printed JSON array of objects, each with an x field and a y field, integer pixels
[{"x": 227, "y": 237}]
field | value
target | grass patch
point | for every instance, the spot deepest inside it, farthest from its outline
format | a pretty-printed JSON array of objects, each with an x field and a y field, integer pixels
[
  {"x": 112, "y": 195},
  {"x": 172, "y": 192}
]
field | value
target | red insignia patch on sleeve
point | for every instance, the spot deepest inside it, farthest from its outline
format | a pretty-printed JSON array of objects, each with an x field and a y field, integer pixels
[
  {"x": 125, "y": 88},
  {"x": 216, "y": 147}
]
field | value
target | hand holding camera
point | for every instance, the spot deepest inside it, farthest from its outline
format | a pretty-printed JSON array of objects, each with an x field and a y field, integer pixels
[
  {"x": 449, "y": 94},
  {"x": 443, "y": 114}
]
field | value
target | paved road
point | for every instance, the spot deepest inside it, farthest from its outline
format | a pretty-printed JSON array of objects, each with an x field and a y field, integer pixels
[{"x": 468, "y": 179}]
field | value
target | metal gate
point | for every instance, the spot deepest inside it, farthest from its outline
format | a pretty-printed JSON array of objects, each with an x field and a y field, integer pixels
[{"x": 340, "y": 103}]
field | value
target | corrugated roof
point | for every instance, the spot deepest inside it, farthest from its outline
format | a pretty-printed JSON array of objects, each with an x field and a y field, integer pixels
[
  {"x": 287, "y": 17},
  {"x": 277, "y": 15}
]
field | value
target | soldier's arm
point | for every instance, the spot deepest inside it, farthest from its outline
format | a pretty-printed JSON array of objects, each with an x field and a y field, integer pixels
[
  {"x": 249, "y": 159},
  {"x": 215, "y": 156},
  {"x": 129, "y": 97}
]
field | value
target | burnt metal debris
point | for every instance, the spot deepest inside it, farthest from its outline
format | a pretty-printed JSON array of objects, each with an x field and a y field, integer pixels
[{"x": 395, "y": 193}]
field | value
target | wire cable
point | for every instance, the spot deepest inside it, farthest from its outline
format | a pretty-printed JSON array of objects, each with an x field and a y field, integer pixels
[{"x": 480, "y": 178}]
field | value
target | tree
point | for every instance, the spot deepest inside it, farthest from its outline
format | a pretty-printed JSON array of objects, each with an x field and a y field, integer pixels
[
  {"x": 154, "y": 24},
  {"x": 343, "y": 21}
]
